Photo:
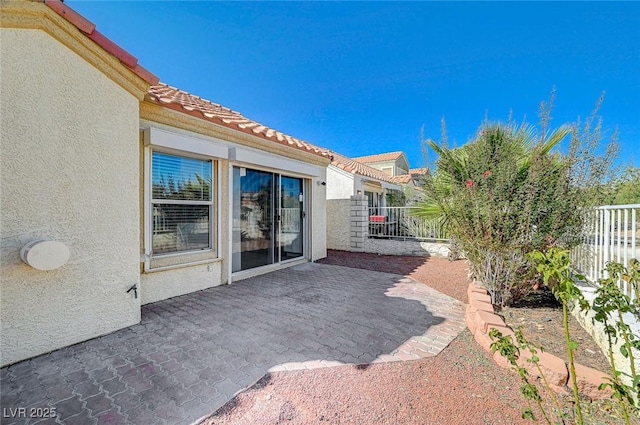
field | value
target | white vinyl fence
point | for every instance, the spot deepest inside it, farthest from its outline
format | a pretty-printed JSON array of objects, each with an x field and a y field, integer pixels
[
  {"x": 612, "y": 234},
  {"x": 400, "y": 222}
]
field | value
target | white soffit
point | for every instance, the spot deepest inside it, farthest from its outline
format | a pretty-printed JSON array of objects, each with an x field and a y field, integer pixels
[
  {"x": 167, "y": 139},
  {"x": 264, "y": 159}
]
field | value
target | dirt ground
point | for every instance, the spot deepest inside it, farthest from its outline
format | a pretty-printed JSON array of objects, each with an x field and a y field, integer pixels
[
  {"x": 462, "y": 385},
  {"x": 542, "y": 325}
]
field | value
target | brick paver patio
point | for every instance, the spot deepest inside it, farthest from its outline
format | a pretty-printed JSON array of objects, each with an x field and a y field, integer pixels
[{"x": 191, "y": 354}]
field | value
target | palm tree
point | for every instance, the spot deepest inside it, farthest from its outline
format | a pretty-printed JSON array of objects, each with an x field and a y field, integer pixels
[{"x": 491, "y": 196}]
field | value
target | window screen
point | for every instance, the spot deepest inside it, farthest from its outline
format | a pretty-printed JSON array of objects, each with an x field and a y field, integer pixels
[{"x": 182, "y": 203}]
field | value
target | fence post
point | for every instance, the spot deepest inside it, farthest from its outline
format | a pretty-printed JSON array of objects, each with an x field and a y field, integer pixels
[{"x": 359, "y": 222}]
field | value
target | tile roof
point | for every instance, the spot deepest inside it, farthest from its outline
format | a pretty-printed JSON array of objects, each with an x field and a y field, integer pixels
[
  {"x": 389, "y": 156},
  {"x": 355, "y": 167},
  {"x": 402, "y": 179},
  {"x": 182, "y": 101},
  {"x": 89, "y": 29},
  {"x": 418, "y": 171}
]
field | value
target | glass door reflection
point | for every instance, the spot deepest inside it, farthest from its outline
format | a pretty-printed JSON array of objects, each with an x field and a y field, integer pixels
[
  {"x": 290, "y": 237},
  {"x": 268, "y": 218},
  {"x": 253, "y": 230}
]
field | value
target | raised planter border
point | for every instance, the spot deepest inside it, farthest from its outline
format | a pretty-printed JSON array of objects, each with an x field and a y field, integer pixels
[{"x": 480, "y": 317}]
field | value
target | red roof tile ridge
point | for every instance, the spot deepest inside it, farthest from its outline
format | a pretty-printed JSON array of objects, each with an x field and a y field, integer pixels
[
  {"x": 354, "y": 166},
  {"x": 82, "y": 23},
  {"x": 185, "y": 93},
  {"x": 89, "y": 29},
  {"x": 174, "y": 98},
  {"x": 380, "y": 156},
  {"x": 402, "y": 178}
]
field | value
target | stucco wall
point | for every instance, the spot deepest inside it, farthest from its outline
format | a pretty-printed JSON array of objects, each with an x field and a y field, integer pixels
[
  {"x": 339, "y": 227},
  {"x": 340, "y": 184},
  {"x": 69, "y": 173},
  {"x": 319, "y": 218},
  {"x": 165, "y": 284}
]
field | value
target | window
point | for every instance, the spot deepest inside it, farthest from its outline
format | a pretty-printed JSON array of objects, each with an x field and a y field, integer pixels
[{"x": 182, "y": 203}]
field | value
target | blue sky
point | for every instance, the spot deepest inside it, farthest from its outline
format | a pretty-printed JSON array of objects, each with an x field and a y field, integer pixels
[{"x": 365, "y": 77}]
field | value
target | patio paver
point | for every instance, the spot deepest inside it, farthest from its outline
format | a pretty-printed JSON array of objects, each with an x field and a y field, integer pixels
[{"x": 191, "y": 354}]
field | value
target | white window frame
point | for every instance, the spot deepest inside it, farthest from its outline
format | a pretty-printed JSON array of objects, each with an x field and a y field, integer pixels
[
  {"x": 189, "y": 146},
  {"x": 211, "y": 203}
]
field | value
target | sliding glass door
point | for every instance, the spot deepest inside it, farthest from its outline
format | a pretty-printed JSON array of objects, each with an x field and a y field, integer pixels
[
  {"x": 268, "y": 218},
  {"x": 291, "y": 217}
]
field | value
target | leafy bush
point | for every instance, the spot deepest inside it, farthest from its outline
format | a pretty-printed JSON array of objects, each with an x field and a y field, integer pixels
[{"x": 505, "y": 194}]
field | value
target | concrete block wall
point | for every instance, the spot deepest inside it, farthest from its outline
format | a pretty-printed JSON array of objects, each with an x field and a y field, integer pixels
[
  {"x": 359, "y": 223},
  {"x": 406, "y": 247},
  {"x": 357, "y": 229}
]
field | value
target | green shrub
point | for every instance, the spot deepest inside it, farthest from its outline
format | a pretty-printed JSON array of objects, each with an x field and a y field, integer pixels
[{"x": 506, "y": 193}]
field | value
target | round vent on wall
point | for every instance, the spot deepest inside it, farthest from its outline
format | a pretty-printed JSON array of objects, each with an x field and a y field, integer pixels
[{"x": 44, "y": 254}]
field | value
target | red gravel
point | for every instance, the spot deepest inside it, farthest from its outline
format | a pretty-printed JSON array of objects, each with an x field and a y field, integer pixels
[
  {"x": 461, "y": 385},
  {"x": 448, "y": 277}
]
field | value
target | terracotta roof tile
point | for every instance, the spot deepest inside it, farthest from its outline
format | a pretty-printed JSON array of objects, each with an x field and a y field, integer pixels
[
  {"x": 182, "y": 101},
  {"x": 418, "y": 171},
  {"x": 402, "y": 179},
  {"x": 389, "y": 156},
  {"x": 355, "y": 167},
  {"x": 89, "y": 29},
  {"x": 71, "y": 15}
]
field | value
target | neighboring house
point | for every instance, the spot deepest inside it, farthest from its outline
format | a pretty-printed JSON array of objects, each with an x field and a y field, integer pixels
[
  {"x": 395, "y": 164},
  {"x": 145, "y": 191},
  {"x": 345, "y": 178},
  {"x": 391, "y": 163},
  {"x": 417, "y": 175}
]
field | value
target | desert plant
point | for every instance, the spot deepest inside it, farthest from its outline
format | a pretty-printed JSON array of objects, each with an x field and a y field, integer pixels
[
  {"x": 555, "y": 268},
  {"x": 609, "y": 307},
  {"x": 506, "y": 193},
  {"x": 511, "y": 350}
]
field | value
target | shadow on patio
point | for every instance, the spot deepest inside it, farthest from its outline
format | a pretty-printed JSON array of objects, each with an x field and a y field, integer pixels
[{"x": 191, "y": 354}]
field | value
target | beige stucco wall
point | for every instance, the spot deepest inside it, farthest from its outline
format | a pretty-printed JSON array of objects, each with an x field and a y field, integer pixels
[
  {"x": 165, "y": 284},
  {"x": 339, "y": 228},
  {"x": 398, "y": 167},
  {"x": 69, "y": 172},
  {"x": 386, "y": 165}
]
